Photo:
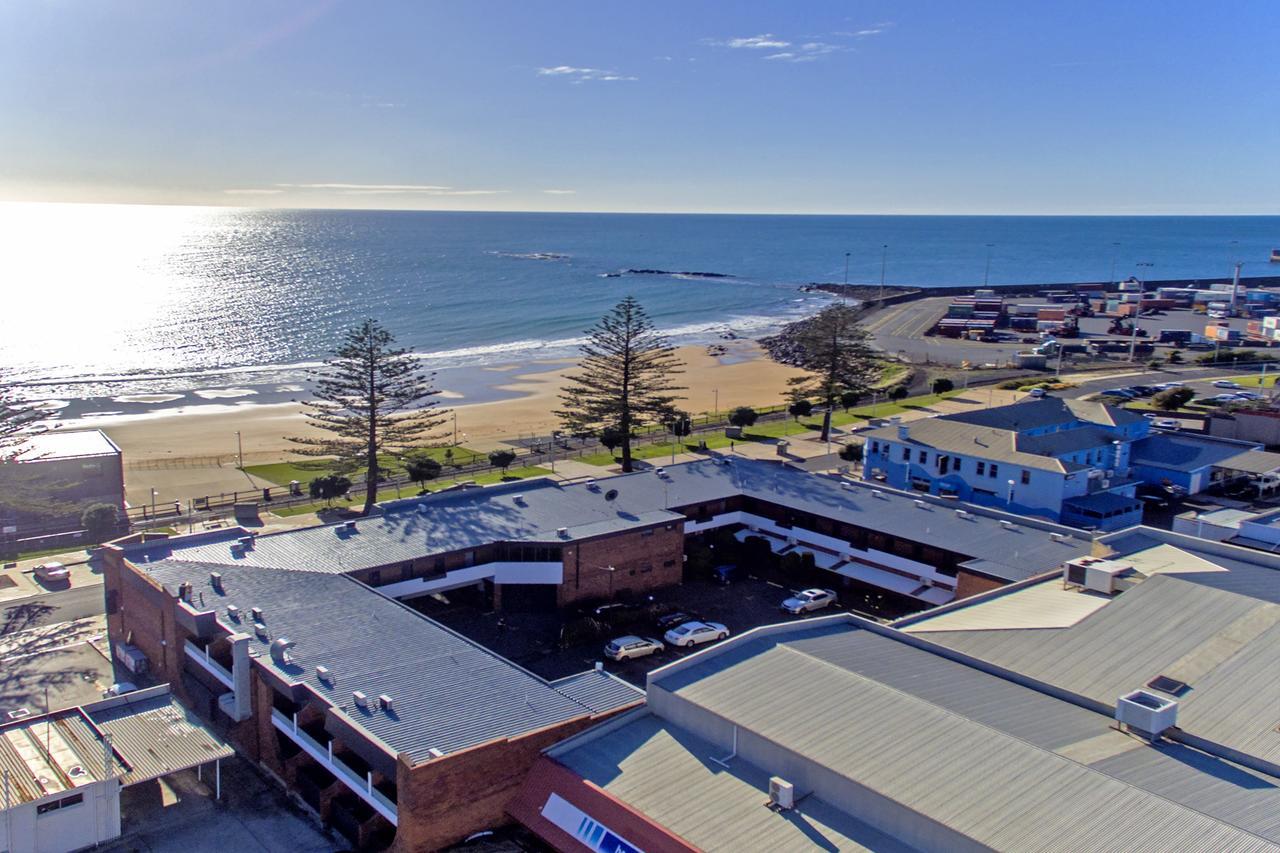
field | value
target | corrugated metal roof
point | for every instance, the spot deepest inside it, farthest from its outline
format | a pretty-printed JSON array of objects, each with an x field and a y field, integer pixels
[
  {"x": 1253, "y": 462},
  {"x": 155, "y": 734},
  {"x": 449, "y": 693},
  {"x": 1224, "y": 645},
  {"x": 1180, "y": 452},
  {"x": 963, "y": 748},
  {"x": 472, "y": 517},
  {"x": 41, "y": 756},
  {"x": 667, "y": 775},
  {"x": 599, "y": 690}
]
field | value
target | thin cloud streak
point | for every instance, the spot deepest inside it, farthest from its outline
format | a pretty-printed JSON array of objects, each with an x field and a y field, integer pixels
[
  {"x": 559, "y": 192},
  {"x": 578, "y": 74}
]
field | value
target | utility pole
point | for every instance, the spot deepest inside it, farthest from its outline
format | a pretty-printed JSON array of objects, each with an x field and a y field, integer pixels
[
  {"x": 239, "y": 451},
  {"x": 1142, "y": 283},
  {"x": 884, "y": 261},
  {"x": 846, "y": 269}
]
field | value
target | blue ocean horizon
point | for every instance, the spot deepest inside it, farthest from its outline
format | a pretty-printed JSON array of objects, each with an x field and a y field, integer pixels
[{"x": 149, "y": 299}]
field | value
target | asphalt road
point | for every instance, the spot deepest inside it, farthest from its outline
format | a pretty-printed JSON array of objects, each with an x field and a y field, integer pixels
[{"x": 51, "y": 608}]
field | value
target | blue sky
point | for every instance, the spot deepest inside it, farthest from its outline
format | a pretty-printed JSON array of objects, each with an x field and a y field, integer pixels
[{"x": 858, "y": 107}]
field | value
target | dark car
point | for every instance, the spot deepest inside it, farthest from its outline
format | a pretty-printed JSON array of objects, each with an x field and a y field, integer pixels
[
  {"x": 668, "y": 621},
  {"x": 1144, "y": 390},
  {"x": 727, "y": 573}
]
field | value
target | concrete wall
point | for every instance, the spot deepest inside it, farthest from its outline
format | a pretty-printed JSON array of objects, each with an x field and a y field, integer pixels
[{"x": 1263, "y": 427}]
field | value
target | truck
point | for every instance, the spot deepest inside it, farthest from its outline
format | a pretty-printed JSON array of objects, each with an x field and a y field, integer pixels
[{"x": 1174, "y": 336}]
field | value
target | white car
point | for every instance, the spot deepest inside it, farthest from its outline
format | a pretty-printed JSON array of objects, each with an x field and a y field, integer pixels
[
  {"x": 119, "y": 688},
  {"x": 1037, "y": 393},
  {"x": 809, "y": 599},
  {"x": 1167, "y": 423},
  {"x": 1226, "y": 383},
  {"x": 631, "y": 646},
  {"x": 695, "y": 633},
  {"x": 52, "y": 572},
  {"x": 1249, "y": 395}
]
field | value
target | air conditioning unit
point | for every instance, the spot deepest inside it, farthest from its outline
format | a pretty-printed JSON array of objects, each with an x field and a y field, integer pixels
[
  {"x": 324, "y": 674},
  {"x": 256, "y": 613},
  {"x": 233, "y": 612},
  {"x": 782, "y": 794},
  {"x": 1007, "y": 524},
  {"x": 1105, "y": 483},
  {"x": 562, "y": 532},
  {"x": 661, "y": 472},
  {"x": 361, "y": 700},
  {"x": 215, "y": 581},
  {"x": 519, "y": 499},
  {"x": 1150, "y": 714},
  {"x": 386, "y": 703},
  {"x": 1095, "y": 574}
]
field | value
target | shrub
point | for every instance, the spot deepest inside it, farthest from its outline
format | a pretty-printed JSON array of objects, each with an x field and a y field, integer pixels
[
  {"x": 899, "y": 392},
  {"x": 1173, "y": 399},
  {"x": 942, "y": 385},
  {"x": 611, "y": 437},
  {"x": 800, "y": 409},
  {"x": 743, "y": 416},
  {"x": 852, "y": 452},
  {"x": 849, "y": 399},
  {"x": 101, "y": 521},
  {"x": 421, "y": 468},
  {"x": 502, "y": 459},
  {"x": 329, "y": 487}
]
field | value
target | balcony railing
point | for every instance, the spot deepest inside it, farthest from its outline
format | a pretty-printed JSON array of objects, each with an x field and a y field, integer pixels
[
  {"x": 360, "y": 786},
  {"x": 207, "y": 662}
]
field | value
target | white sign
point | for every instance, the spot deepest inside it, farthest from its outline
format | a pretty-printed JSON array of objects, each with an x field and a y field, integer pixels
[{"x": 573, "y": 820}]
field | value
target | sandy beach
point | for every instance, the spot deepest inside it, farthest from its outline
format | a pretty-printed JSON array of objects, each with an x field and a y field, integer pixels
[{"x": 193, "y": 452}]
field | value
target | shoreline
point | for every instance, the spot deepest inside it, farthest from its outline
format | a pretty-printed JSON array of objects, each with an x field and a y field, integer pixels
[{"x": 204, "y": 436}]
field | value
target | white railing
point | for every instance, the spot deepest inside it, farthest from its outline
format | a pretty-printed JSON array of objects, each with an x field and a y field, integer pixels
[
  {"x": 211, "y": 666},
  {"x": 500, "y": 571},
  {"x": 361, "y": 786}
]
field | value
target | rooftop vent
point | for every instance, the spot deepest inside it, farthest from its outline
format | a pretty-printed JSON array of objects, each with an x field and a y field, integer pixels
[
  {"x": 1147, "y": 713},
  {"x": 661, "y": 472},
  {"x": 1007, "y": 524},
  {"x": 215, "y": 581},
  {"x": 262, "y": 632},
  {"x": 562, "y": 532},
  {"x": 1095, "y": 574},
  {"x": 962, "y": 513},
  {"x": 1057, "y": 537},
  {"x": 350, "y": 526},
  {"x": 1165, "y": 684},
  {"x": 386, "y": 703},
  {"x": 847, "y": 485},
  {"x": 435, "y": 753},
  {"x": 782, "y": 794},
  {"x": 280, "y": 650},
  {"x": 361, "y": 700},
  {"x": 324, "y": 674},
  {"x": 184, "y": 591},
  {"x": 519, "y": 499},
  {"x": 876, "y": 493},
  {"x": 256, "y": 613},
  {"x": 233, "y": 612},
  {"x": 246, "y": 542},
  {"x": 921, "y": 504},
  {"x": 592, "y": 484}
]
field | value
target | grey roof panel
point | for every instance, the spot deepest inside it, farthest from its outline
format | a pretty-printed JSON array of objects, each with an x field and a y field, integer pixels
[
  {"x": 449, "y": 692},
  {"x": 155, "y": 734},
  {"x": 599, "y": 690},
  {"x": 1178, "y": 452}
]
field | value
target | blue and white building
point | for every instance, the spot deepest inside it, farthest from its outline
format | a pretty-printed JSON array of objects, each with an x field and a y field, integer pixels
[{"x": 1071, "y": 461}]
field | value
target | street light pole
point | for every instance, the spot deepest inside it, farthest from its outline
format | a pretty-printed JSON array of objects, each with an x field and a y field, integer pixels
[
  {"x": 1133, "y": 337},
  {"x": 716, "y": 392},
  {"x": 986, "y": 276},
  {"x": 846, "y": 269},
  {"x": 239, "y": 451},
  {"x": 1115, "y": 250},
  {"x": 884, "y": 261}
]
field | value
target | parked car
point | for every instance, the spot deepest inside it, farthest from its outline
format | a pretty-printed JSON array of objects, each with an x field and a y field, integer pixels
[
  {"x": 1144, "y": 390},
  {"x": 1225, "y": 383},
  {"x": 1249, "y": 395},
  {"x": 808, "y": 600},
  {"x": 49, "y": 572},
  {"x": 727, "y": 573},
  {"x": 1118, "y": 392},
  {"x": 1166, "y": 423},
  {"x": 695, "y": 633},
  {"x": 668, "y": 621},
  {"x": 1037, "y": 393},
  {"x": 1220, "y": 399},
  {"x": 119, "y": 688},
  {"x": 631, "y": 646}
]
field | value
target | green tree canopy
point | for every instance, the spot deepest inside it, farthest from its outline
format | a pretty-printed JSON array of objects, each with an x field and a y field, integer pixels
[
  {"x": 835, "y": 349},
  {"x": 371, "y": 397},
  {"x": 625, "y": 378}
]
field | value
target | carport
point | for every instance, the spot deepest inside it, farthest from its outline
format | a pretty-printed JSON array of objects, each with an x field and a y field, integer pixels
[
  {"x": 1259, "y": 467},
  {"x": 154, "y": 736}
]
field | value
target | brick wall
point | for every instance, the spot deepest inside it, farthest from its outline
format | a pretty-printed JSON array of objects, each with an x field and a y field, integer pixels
[
  {"x": 444, "y": 800},
  {"x": 642, "y": 560},
  {"x": 968, "y": 584}
]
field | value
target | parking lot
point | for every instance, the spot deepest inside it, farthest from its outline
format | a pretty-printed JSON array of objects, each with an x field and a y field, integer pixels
[{"x": 534, "y": 639}]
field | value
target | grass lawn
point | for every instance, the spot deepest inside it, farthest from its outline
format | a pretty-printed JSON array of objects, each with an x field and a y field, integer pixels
[
  {"x": 1256, "y": 380},
  {"x": 775, "y": 429},
  {"x": 411, "y": 489},
  {"x": 306, "y": 470}
]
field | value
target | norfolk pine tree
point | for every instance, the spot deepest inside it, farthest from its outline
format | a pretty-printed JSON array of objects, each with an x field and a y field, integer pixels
[
  {"x": 625, "y": 378},
  {"x": 834, "y": 347},
  {"x": 371, "y": 397}
]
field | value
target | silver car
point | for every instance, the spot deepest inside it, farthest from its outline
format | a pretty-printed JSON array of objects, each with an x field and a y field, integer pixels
[
  {"x": 630, "y": 646},
  {"x": 695, "y": 633},
  {"x": 808, "y": 600}
]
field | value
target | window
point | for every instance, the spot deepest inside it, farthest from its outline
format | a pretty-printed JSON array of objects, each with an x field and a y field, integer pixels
[
  {"x": 1026, "y": 478},
  {"x": 982, "y": 468},
  {"x": 923, "y": 457},
  {"x": 875, "y": 447},
  {"x": 906, "y": 454},
  {"x": 955, "y": 463},
  {"x": 666, "y": 564},
  {"x": 994, "y": 469},
  {"x": 64, "y": 803}
]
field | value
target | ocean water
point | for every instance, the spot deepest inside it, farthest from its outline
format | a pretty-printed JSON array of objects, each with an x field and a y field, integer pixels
[{"x": 149, "y": 306}]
